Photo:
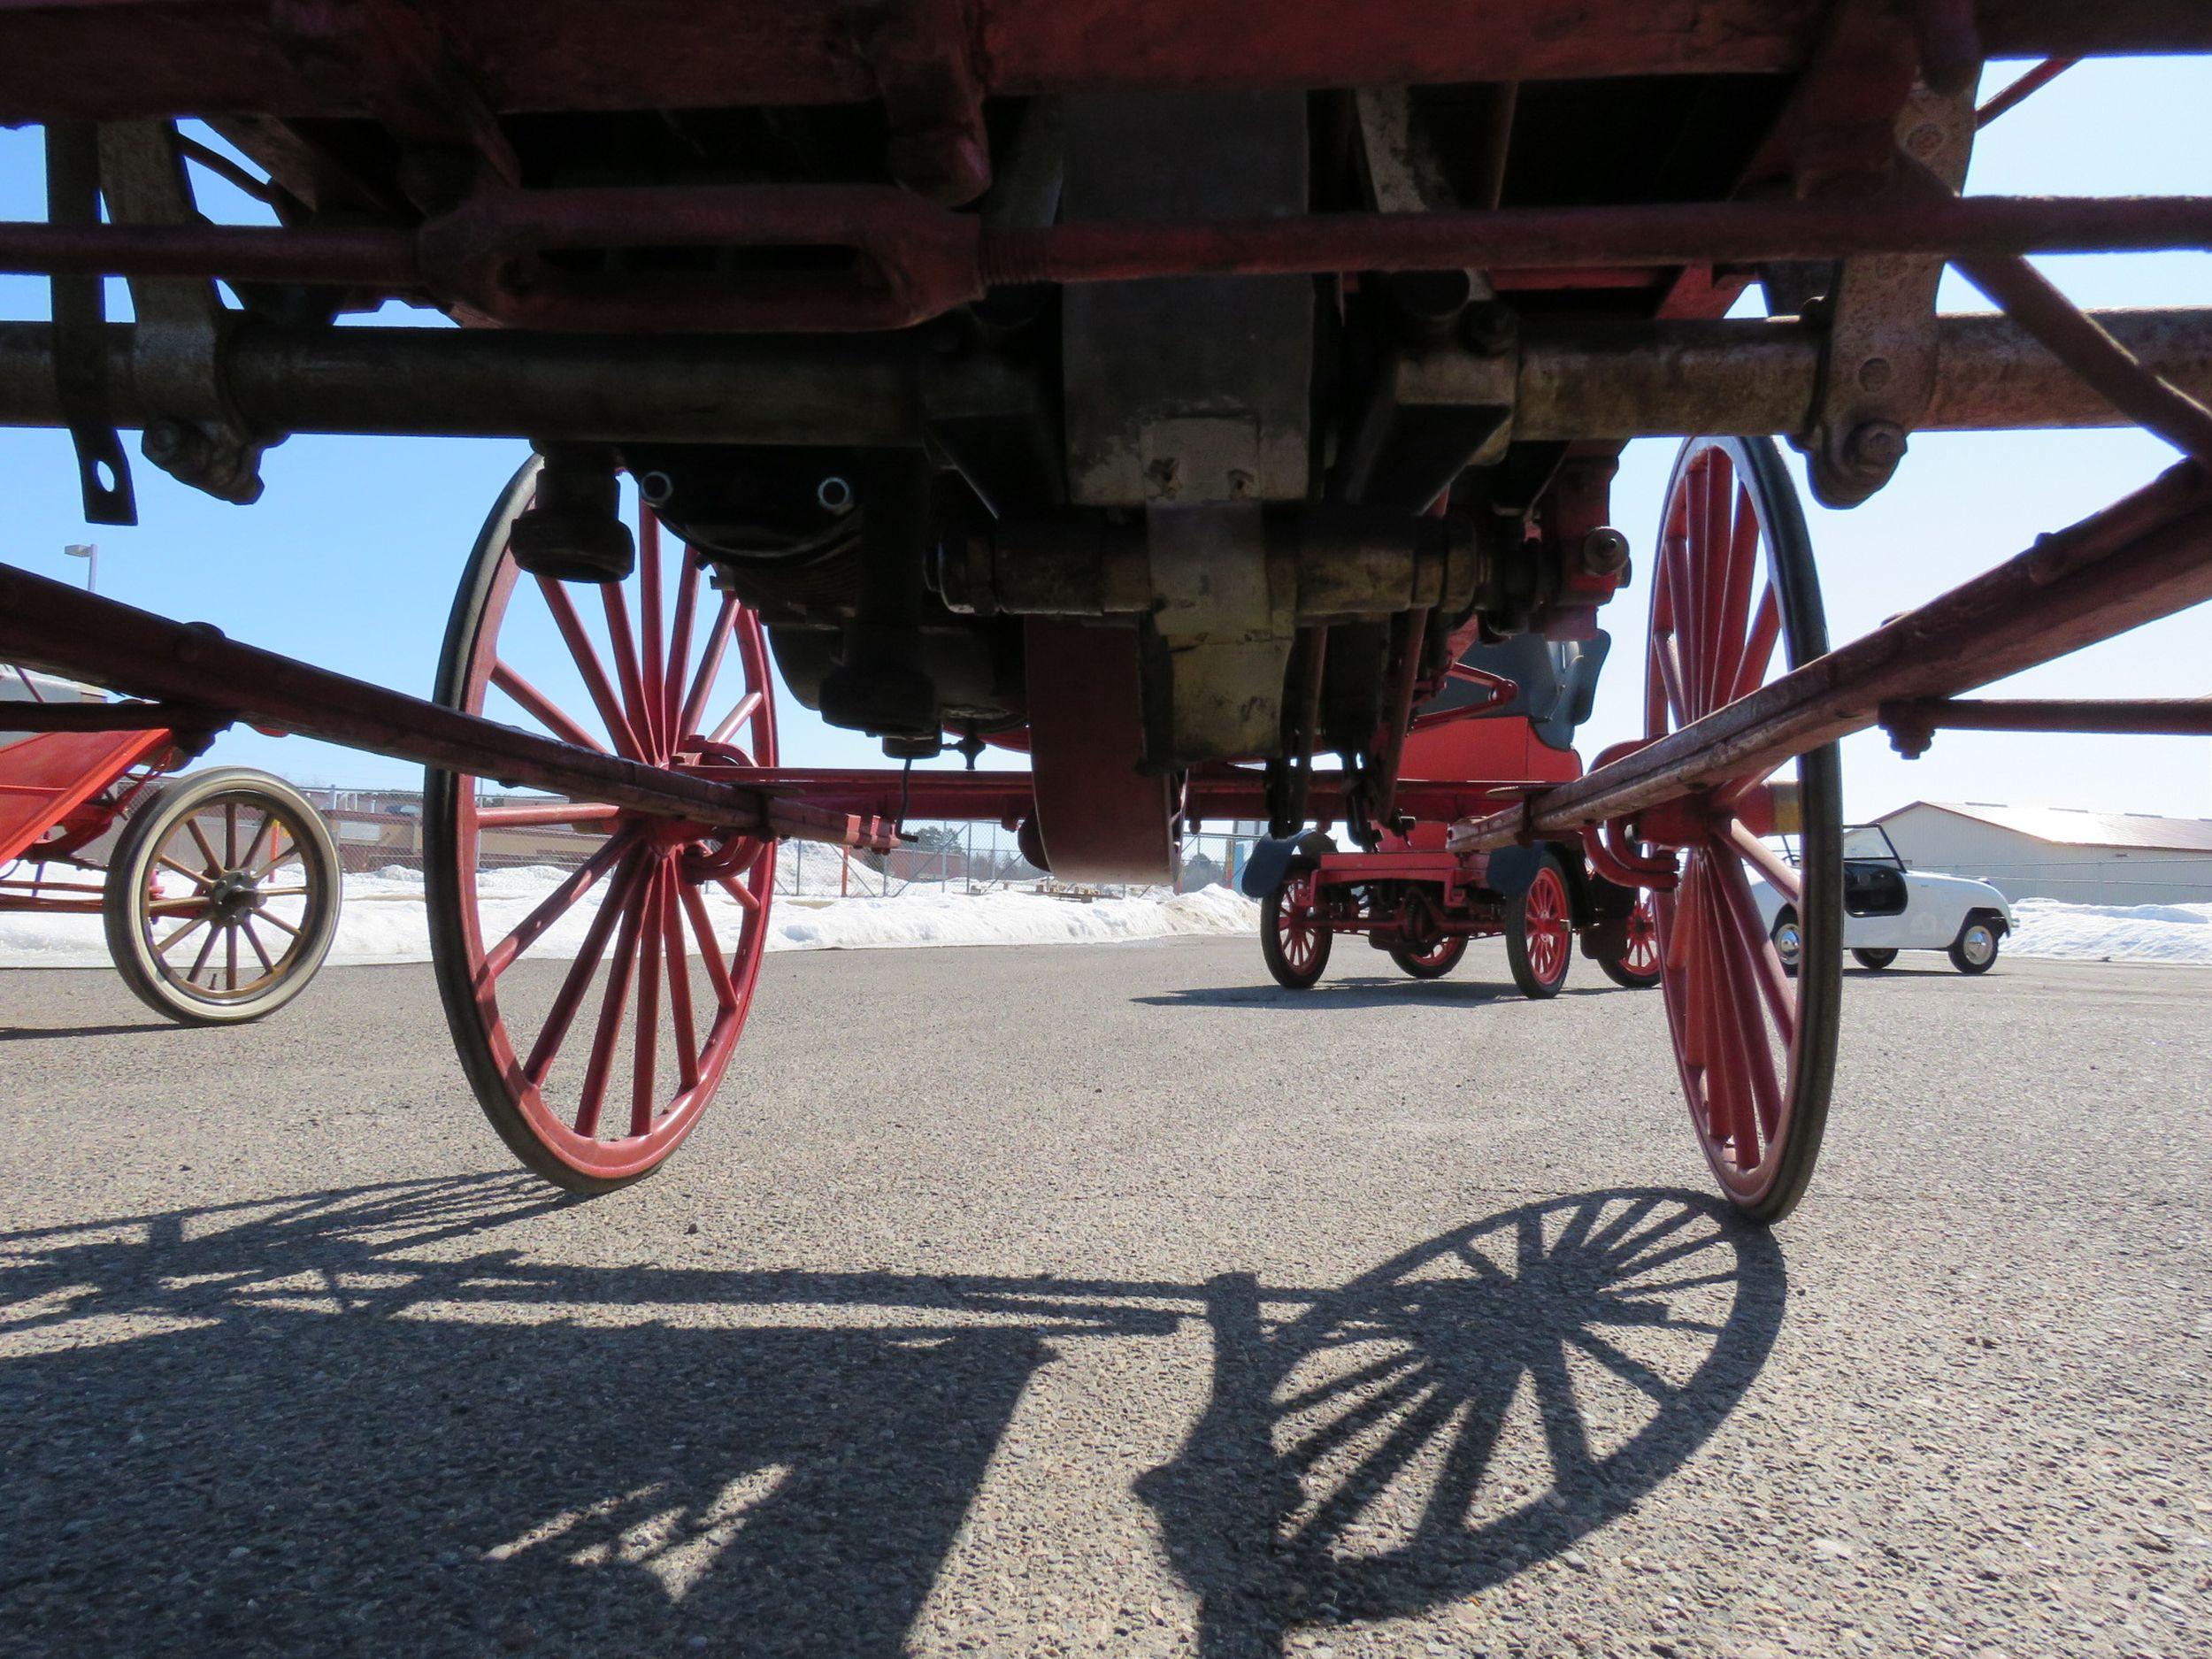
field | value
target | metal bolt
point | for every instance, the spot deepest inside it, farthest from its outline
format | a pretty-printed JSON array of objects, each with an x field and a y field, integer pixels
[
  {"x": 1604, "y": 550},
  {"x": 1490, "y": 326},
  {"x": 1874, "y": 374},
  {"x": 656, "y": 487},
  {"x": 1875, "y": 446},
  {"x": 1926, "y": 140},
  {"x": 1241, "y": 484},
  {"x": 836, "y": 495},
  {"x": 163, "y": 441}
]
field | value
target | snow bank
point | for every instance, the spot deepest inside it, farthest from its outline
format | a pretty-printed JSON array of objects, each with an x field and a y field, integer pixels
[
  {"x": 385, "y": 919},
  {"x": 2112, "y": 933}
]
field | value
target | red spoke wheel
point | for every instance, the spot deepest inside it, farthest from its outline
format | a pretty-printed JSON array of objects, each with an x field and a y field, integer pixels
[
  {"x": 1433, "y": 961},
  {"x": 222, "y": 896},
  {"x": 596, "y": 1056},
  {"x": 1540, "y": 932},
  {"x": 1756, "y": 1046},
  {"x": 1636, "y": 967},
  {"x": 1293, "y": 936}
]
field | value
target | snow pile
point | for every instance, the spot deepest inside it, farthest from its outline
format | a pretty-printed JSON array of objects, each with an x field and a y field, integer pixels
[
  {"x": 2112, "y": 933},
  {"x": 385, "y": 918}
]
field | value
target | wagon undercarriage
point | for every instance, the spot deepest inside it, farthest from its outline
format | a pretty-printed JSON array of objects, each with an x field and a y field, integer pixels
[{"x": 1179, "y": 396}]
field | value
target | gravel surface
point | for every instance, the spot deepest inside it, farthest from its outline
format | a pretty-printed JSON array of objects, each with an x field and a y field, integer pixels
[{"x": 1108, "y": 1300}]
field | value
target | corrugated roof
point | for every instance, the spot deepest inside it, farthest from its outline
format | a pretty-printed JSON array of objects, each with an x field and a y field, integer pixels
[{"x": 2069, "y": 827}]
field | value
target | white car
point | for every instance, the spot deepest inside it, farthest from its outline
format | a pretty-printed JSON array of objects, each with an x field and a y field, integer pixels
[{"x": 1889, "y": 907}]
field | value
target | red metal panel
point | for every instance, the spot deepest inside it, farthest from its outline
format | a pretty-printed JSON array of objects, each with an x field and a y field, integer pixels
[
  {"x": 106, "y": 58},
  {"x": 44, "y": 778}
]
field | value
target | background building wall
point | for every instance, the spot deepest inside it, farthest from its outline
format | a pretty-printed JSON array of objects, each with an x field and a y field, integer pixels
[{"x": 2025, "y": 867}]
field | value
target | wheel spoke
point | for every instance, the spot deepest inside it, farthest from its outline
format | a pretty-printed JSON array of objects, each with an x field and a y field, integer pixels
[
  {"x": 555, "y": 905},
  {"x": 207, "y": 949},
  {"x": 190, "y": 927},
  {"x": 1753, "y": 1052},
  {"x": 253, "y": 846},
  {"x": 1735, "y": 600},
  {"x": 645, "y": 1055},
  {"x": 652, "y": 669},
  {"x": 679, "y": 649},
  {"x": 230, "y": 955},
  {"x": 274, "y": 920},
  {"x": 746, "y": 707},
  {"x": 230, "y": 834},
  {"x": 586, "y": 657},
  {"x": 1768, "y": 862},
  {"x": 710, "y": 947},
  {"x": 1766, "y": 628},
  {"x": 709, "y": 668},
  {"x": 612, "y": 1005},
  {"x": 276, "y": 850},
  {"x": 681, "y": 1024},
  {"x": 254, "y": 939},
  {"x": 738, "y": 890},
  {"x": 1725, "y": 1062},
  {"x": 196, "y": 880},
  {"x": 215, "y": 866},
  {"x": 543, "y": 709},
  {"x": 1671, "y": 677},
  {"x": 570, "y": 997},
  {"x": 1766, "y": 964},
  {"x": 617, "y": 606}
]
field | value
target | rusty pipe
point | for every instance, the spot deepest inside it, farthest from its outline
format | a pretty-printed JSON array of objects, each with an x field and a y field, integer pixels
[{"x": 1597, "y": 380}]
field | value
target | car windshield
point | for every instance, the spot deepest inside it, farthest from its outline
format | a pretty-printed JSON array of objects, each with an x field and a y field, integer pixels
[{"x": 1871, "y": 841}]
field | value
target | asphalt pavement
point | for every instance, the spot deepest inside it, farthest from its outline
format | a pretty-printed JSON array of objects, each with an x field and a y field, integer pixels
[{"x": 1111, "y": 1301}]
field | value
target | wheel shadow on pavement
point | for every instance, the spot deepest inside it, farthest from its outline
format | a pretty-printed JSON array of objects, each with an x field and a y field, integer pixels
[
  {"x": 1472, "y": 1406},
  {"x": 1399, "y": 991},
  {"x": 339, "y": 1423}
]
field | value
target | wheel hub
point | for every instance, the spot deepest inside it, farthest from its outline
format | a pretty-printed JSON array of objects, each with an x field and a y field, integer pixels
[{"x": 233, "y": 893}]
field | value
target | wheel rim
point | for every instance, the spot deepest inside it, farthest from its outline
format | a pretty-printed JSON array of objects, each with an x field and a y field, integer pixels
[
  {"x": 1788, "y": 945},
  {"x": 1545, "y": 925},
  {"x": 1298, "y": 930},
  {"x": 1734, "y": 604},
  {"x": 1980, "y": 944},
  {"x": 615, "y": 1070},
  {"x": 231, "y": 900},
  {"x": 1641, "y": 956}
]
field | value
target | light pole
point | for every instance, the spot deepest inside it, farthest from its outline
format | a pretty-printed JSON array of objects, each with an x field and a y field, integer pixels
[{"x": 89, "y": 552}]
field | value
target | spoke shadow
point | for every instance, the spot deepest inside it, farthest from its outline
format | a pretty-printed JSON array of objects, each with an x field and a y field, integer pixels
[
  {"x": 1474, "y": 1405},
  {"x": 357, "y": 1420}
]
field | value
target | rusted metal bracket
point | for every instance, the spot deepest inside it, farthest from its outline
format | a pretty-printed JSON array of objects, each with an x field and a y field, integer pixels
[
  {"x": 922, "y": 55},
  {"x": 80, "y": 347},
  {"x": 197, "y": 434},
  {"x": 1879, "y": 367}
]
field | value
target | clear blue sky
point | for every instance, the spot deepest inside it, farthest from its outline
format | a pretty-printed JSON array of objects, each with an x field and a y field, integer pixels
[{"x": 349, "y": 558}]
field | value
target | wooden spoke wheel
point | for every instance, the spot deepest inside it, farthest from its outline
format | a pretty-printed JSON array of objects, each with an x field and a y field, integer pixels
[
  {"x": 222, "y": 897},
  {"x": 1433, "y": 961},
  {"x": 596, "y": 964},
  {"x": 1293, "y": 936},
  {"x": 1756, "y": 1046},
  {"x": 1636, "y": 967},
  {"x": 1540, "y": 932}
]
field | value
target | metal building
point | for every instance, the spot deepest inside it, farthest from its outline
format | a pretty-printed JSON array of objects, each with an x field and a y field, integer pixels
[{"x": 2060, "y": 852}]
